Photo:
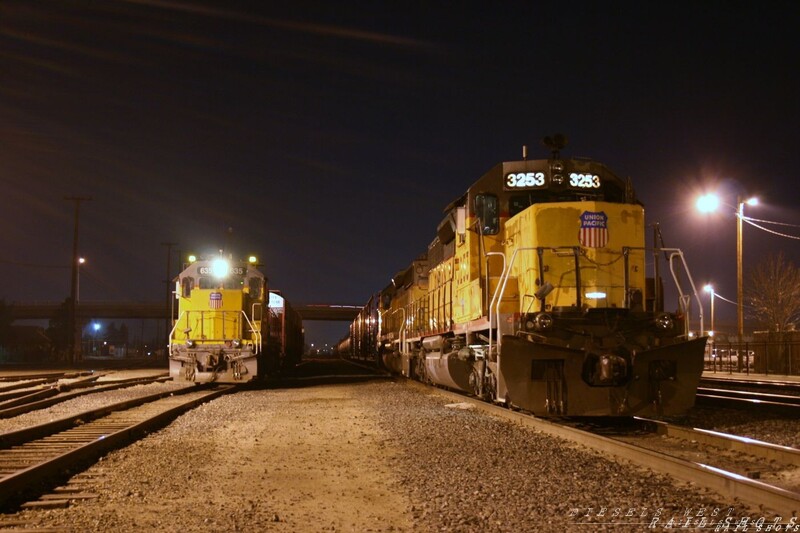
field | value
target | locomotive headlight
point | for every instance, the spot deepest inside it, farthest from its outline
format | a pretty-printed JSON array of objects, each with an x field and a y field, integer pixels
[
  {"x": 219, "y": 268},
  {"x": 664, "y": 321},
  {"x": 543, "y": 321}
]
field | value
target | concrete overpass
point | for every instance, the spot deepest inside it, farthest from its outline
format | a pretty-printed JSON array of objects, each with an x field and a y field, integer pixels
[{"x": 157, "y": 310}]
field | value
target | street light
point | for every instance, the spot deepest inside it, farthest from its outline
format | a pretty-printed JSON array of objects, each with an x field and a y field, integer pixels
[
  {"x": 710, "y": 289},
  {"x": 710, "y": 202}
]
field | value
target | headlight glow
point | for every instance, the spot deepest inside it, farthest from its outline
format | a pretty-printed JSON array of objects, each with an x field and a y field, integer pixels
[{"x": 219, "y": 268}]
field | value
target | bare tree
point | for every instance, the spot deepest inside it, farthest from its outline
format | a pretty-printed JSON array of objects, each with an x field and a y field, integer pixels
[{"x": 773, "y": 293}]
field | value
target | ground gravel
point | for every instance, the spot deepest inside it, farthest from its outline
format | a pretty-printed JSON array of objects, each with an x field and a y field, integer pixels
[{"x": 368, "y": 456}]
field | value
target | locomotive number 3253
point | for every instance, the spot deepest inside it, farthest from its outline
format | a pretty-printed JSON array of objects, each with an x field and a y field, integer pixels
[
  {"x": 525, "y": 179},
  {"x": 584, "y": 181}
]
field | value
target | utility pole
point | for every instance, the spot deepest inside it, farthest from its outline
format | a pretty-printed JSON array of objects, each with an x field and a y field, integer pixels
[
  {"x": 167, "y": 282},
  {"x": 74, "y": 331}
]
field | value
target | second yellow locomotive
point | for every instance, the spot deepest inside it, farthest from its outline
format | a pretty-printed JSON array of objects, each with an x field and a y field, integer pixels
[
  {"x": 230, "y": 328},
  {"x": 534, "y": 294}
]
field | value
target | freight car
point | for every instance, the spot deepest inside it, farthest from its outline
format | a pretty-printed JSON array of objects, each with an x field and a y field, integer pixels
[
  {"x": 230, "y": 328},
  {"x": 534, "y": 294}
]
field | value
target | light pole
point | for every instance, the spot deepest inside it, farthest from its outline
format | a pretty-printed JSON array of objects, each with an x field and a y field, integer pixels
[
  {"x": 739, "y": 274},
  {"x": 710, "y": 289},
  {"x": 168, "y": 283},
  {"x": 81, "y": 260},
  {"x": 74, "y": 332}
]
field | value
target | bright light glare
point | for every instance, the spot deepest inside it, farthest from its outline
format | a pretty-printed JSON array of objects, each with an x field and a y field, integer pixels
[
  {"x": 709, "y": 288},
  {"x": 752, "y": 201},
  {"x": 707, "y": 203},
  {"x": 219, "y": 268},
  {"x": 192, "y": 258},
  {"x": 96, "y": 326},
  {"x": 253, "y": 260},
  {"x": 81, "y": 260},
  {"x": 595, "y": 295}
]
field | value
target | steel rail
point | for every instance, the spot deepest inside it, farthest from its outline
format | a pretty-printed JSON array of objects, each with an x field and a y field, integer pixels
[
  {"x": 9, "y": 391},
  {"x": 753, "y": 383},
  {"x": 727, "y": 484},
  {"x": 737, "y": 398},
  {"x": 43, "y": 459},
  {"x": 43, "y": 375},
  {"x": 52, "y": 396},
  {"x": 736, "y": 443}
]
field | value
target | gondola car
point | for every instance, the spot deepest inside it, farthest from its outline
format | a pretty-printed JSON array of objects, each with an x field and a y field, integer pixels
[
  {"x": 229, "y": 327},
  {"x": 533, "y": 294}
]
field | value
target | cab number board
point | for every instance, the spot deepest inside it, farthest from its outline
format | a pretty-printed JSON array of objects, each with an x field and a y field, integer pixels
[
  {"x": 209, "y": 271},
  {"x": 584, "y": 181},
  {"x": 523, "y": 180}
]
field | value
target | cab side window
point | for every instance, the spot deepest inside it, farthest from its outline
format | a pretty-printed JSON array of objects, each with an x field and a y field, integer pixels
[
  {"x": 187, "y": 284},
  {"x": 487, "y": 209},
  {"x": 254, "y": 285}
]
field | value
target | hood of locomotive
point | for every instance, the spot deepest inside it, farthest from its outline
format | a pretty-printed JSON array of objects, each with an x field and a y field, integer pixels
[
  {"x": 585, "y": 341},
  {"x": 207, "y": 317}
]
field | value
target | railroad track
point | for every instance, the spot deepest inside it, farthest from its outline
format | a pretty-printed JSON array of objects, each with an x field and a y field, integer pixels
[
  {"x": 739, "y": 399},
  {"x": 33, "y": 460},
  {"x": 49, "y": 376},
  {"x": 785, "y": 387},
  {"x": 17, "y": 401},
  {"x": 727, "y": 483}
]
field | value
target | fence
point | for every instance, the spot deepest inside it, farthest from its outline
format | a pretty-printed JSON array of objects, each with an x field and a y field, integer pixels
[{"x": 782, "y": 358}]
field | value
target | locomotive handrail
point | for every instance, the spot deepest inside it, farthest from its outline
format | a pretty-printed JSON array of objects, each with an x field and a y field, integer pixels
[
  {"x": 685, "y": 299},
  {"x": 498, "y": 296},
  {"x": 401, "y": 333},
  {"x": 172, "y": 331},
  {"x": 257, "y": 339},
  {"x": 494, "y": 296}
]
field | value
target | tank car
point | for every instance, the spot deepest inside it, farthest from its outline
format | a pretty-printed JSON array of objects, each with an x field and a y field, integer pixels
[
  {"x": 534, "y": 294},
  {"x": 230, "y": 328}
]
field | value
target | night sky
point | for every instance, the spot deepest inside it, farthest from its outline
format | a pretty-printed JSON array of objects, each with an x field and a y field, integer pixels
[{"x": 327, "y": 137}]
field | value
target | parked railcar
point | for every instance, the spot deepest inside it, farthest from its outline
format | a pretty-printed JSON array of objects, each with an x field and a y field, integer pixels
[
  {"x": 230, "y": 328},
  {"x": 534, "y": 294}
]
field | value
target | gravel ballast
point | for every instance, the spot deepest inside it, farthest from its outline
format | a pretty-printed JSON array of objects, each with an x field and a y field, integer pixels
[{"x": 376, "y": 456}]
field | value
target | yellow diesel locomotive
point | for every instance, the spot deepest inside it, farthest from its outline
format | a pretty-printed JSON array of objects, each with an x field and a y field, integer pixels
[
  {"x": 534, "y": 294},
  {"x": 230, "y": 328}
]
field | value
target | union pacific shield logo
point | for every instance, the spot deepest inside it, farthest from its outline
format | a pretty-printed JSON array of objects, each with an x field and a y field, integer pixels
[
  {"x": 594, "y": 229},
  {"x": 215, "y": 300}
]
